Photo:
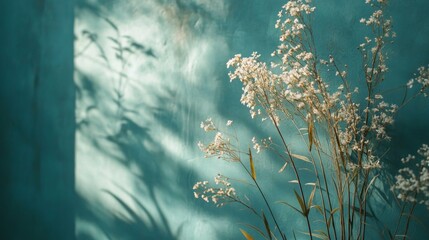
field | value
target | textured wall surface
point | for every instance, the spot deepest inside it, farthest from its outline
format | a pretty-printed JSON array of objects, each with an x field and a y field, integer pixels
[
  {"x": 37, "y": 121},
  {"x": 143, "y": 71},
  {"x": 148, "y": 72},
  {"x": 113, "y": 155}
]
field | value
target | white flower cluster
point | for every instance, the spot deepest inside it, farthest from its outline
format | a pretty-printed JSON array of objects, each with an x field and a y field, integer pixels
[
  {"x": 255, "y": 78},
  {"x": 412, "y": 181},
  {"x": 294, "y": 87},
  {"x": 218, "y": 195},
  {"x": 373, "y": 49},
  {"x": 263, "y": 144},
  {"x": 369, "y": 165},
  {"x": 382, "y": 116},
  {"x": 377, "y": 18},
  {"x": 299, "y": 90},
  {"x": 262, "y": 88},
  {"x": 296, "y": 7},
  {"x": 220, "y": 147},
  {"x": 208, "y": 125},
  {"x": 358, "y": 136},
  {"x": 363, "y": 128},
  {"x": 422, "y": 79},
  {"x": 374, "y": 19}
]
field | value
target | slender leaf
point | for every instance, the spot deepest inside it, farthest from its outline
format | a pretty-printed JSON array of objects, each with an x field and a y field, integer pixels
[
  {"x": 390, "y": 234},
  {"x": 301, "y": 203},
  {"x": 310, "y": 133},
  {"x": 252, "y": 166},
  {"x": 328, "y": 224},
  {"x": 294, "y": 208},
  {"x": 267, "y": 226},
  {"x": 370, "y": 184},
  {"x": 360, "y": 210},
  {"x": 283, "y": 168},
  {"x": 246, "y": 235},
  {"x": 256, "y": 229},
  {"x": 310, "y": 199},
  {"x": 300, "y": 157},
  {"x": 383, "y": 195},
  {"x": 319, "y": 236},
  {"x": 331, "y": 215},
  {"x": 306, "y": 169},
  {"x": 335, "y": 210},
  {"x": 318, "y": 208}
]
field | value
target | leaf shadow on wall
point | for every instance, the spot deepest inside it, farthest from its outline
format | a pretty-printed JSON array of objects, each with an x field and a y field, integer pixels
[{"x": 128, "y": 182}]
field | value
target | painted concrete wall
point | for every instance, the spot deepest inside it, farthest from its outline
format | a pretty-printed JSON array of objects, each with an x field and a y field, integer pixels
[
  {"x": 37, "y": 121},
  {"x": 148, "y": 72},
  {"x": 143, "y": 69},
  {"x": 119, "y": 160}
]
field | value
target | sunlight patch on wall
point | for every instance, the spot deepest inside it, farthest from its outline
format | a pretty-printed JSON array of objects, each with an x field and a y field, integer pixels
[{"x": 146, "y": 75}]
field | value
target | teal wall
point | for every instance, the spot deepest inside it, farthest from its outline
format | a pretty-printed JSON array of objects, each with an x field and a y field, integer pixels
[
  {"x": 138, "y": 114},
  {"x": 101, "y": 110},
  {"x": 37, "y": 121}
]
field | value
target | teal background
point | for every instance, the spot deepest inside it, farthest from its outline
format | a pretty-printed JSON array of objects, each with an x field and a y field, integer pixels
[
  {"x": 37, "y": 125},
  {"x": 101, "y": 102}
]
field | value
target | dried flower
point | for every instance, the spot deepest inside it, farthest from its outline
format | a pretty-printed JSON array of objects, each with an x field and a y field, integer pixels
[
  {"x": 220, "y": 196},
  {"x": 208, "y": 125},
  {"x": 412, "y": 181}
]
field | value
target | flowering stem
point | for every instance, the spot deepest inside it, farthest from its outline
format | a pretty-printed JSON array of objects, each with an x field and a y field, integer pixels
[
  {"x": 364, "y": 202},
  {"x": 265, "y": 200},
  {"x": 247, "y": 206},
  {"x": 399, "y": 220},
  {"x": 409, "y": 218},
  {"x": 319, "y": 184},
  {"x": 328, "y": 194},
  {"x": 295, "y": 170}
]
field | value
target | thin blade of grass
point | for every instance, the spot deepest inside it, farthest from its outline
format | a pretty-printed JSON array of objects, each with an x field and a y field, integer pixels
[
  {"x": 294, "y": 208},
  {"x": 300, "y": 157},
  {"x": 360, "y": 210},
  {"x": 319, "y": 236},
  {"x": 310, "y": 199},
  {"x": 370, "y": 184},
  {"x": 246, "y": 235},
  {"x": 267, "y": 226},
  {"x": 252, "y": 165},
  {"x": 318, "y": 208},
  {"x": 331, "y": 216},
  {"x": 256, "y": 229},
  {"x": 283, "y": 168},
  {"x": 310, "y": 134},
  {"x": 301, "y": 203}
]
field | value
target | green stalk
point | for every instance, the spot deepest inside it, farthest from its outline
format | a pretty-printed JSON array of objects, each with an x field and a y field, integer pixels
[
  {"x": 408, "y": 220},
  {"x": 265, "y": 200},
  {"x": 296, "y": 173}
]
